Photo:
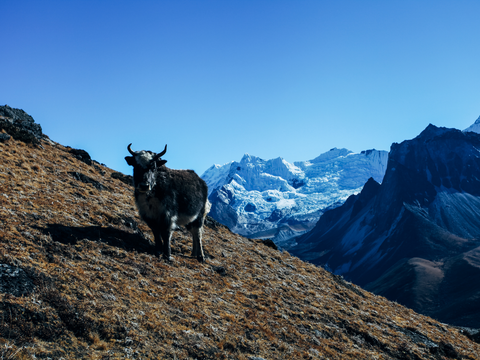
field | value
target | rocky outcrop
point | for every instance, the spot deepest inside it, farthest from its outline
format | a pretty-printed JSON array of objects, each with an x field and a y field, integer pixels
[{"x": 18, "y": 124}]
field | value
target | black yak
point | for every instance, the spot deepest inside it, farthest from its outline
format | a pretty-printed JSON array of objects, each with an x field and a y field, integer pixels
[{"x": 166, "y": 198}]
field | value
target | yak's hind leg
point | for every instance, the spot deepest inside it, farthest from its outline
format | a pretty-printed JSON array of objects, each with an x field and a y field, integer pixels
[
  {"x": 166, "y": 233},
  {"x": 196, "y": 229},
  {"x": 197, "y": 244}
]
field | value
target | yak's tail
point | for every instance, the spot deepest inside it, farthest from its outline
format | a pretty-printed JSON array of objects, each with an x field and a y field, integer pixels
[{"x": 208, "y": 206}]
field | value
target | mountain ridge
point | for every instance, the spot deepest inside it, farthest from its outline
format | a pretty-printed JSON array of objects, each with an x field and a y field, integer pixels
[{"x": 425, "y": 210}]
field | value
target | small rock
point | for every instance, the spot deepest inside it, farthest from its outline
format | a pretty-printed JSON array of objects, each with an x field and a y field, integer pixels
[
  {"x": 219, "y": 270},
  {"x": 126, "y": 179},
  {"x": 270, "y": 243},
  {"x": 81, "y": 155},
  {"x": 4, "y": 137},
  {"x": 15, "y": 281},
  {"x": 87, "y": 180}
]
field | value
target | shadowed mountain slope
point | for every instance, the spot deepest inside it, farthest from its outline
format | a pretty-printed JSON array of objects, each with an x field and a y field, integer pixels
[
  {"x": 416, "y": 237},
  {"x": 78, "y": 280}
]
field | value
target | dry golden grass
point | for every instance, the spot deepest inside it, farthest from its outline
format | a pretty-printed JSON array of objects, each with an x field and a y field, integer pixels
[{"x": 99, "y": 293}]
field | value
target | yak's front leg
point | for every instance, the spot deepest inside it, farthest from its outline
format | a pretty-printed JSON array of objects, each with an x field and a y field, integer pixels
[{"x": 158, "y": 241}]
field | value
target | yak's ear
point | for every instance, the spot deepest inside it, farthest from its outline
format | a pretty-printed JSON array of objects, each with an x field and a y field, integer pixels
[
  {"x": 130, "y": 160},
  {"x": 161, "y": 162}
]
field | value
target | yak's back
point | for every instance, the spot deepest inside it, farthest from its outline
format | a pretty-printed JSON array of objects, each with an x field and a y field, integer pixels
[{"x": 186, "y": 184}]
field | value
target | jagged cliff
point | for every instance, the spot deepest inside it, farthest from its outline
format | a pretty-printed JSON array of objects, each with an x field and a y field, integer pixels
[{"x": 416, "y": 237}]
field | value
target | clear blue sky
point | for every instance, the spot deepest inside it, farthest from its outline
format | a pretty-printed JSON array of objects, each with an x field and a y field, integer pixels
[{"x": 217, "y": 79}]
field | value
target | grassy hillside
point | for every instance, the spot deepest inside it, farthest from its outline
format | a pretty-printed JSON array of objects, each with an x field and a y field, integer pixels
[{"x": 78, "y": 280}]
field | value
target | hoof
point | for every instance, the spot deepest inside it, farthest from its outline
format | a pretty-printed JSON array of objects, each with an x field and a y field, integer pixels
[
  {"x": 168, "y": 258},
  {"x": 200, "y": 258}
]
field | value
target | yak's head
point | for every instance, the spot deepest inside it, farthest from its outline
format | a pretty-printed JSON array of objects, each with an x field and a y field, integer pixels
[{"x": 145, "y": 167}]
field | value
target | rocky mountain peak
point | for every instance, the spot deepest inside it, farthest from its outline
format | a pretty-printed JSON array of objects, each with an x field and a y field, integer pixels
[
  {"x": 445, "y": 157},
  {"x": 426, "y": 209},
  {"x": 432, "y": 131},
  {"x": 475, "y": 127},
  {"x": 332, "y": 154}
]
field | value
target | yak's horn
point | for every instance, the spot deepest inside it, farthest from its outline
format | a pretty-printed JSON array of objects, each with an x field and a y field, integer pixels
[
  {"x": 163, "y": 152},
  {"x": 129, "y": 148},
  {"x": 159, "y": 155}
]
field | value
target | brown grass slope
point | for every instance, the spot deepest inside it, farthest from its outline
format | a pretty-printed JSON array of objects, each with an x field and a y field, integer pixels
[{"x": 78, "y": 281}]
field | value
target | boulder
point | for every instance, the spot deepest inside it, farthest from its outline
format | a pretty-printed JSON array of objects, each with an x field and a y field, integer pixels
[{"x": 18, "y": 124}]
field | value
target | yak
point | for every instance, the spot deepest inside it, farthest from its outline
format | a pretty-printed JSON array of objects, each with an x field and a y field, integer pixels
[{"x": 167, "y": 198}]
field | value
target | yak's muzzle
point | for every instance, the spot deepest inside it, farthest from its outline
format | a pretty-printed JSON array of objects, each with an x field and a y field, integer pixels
[{"x": 143, "y": 187}]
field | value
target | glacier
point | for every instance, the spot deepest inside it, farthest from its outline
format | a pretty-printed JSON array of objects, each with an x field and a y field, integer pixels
[{"x": 275, "y": 199}]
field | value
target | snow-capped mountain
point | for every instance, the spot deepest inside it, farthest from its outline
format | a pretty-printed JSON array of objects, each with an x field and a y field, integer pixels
[
  {"x": 475, "y": 127},
  {"x": 416, "y": 237},
  {"x": 276, "y": 199}
]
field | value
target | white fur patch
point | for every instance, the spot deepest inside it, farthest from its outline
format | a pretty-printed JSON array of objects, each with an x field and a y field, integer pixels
[
  {"x": 184, "y": 220},
  {"x": 143, "y": 158},
  {"x": 208, "y": 207}
]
